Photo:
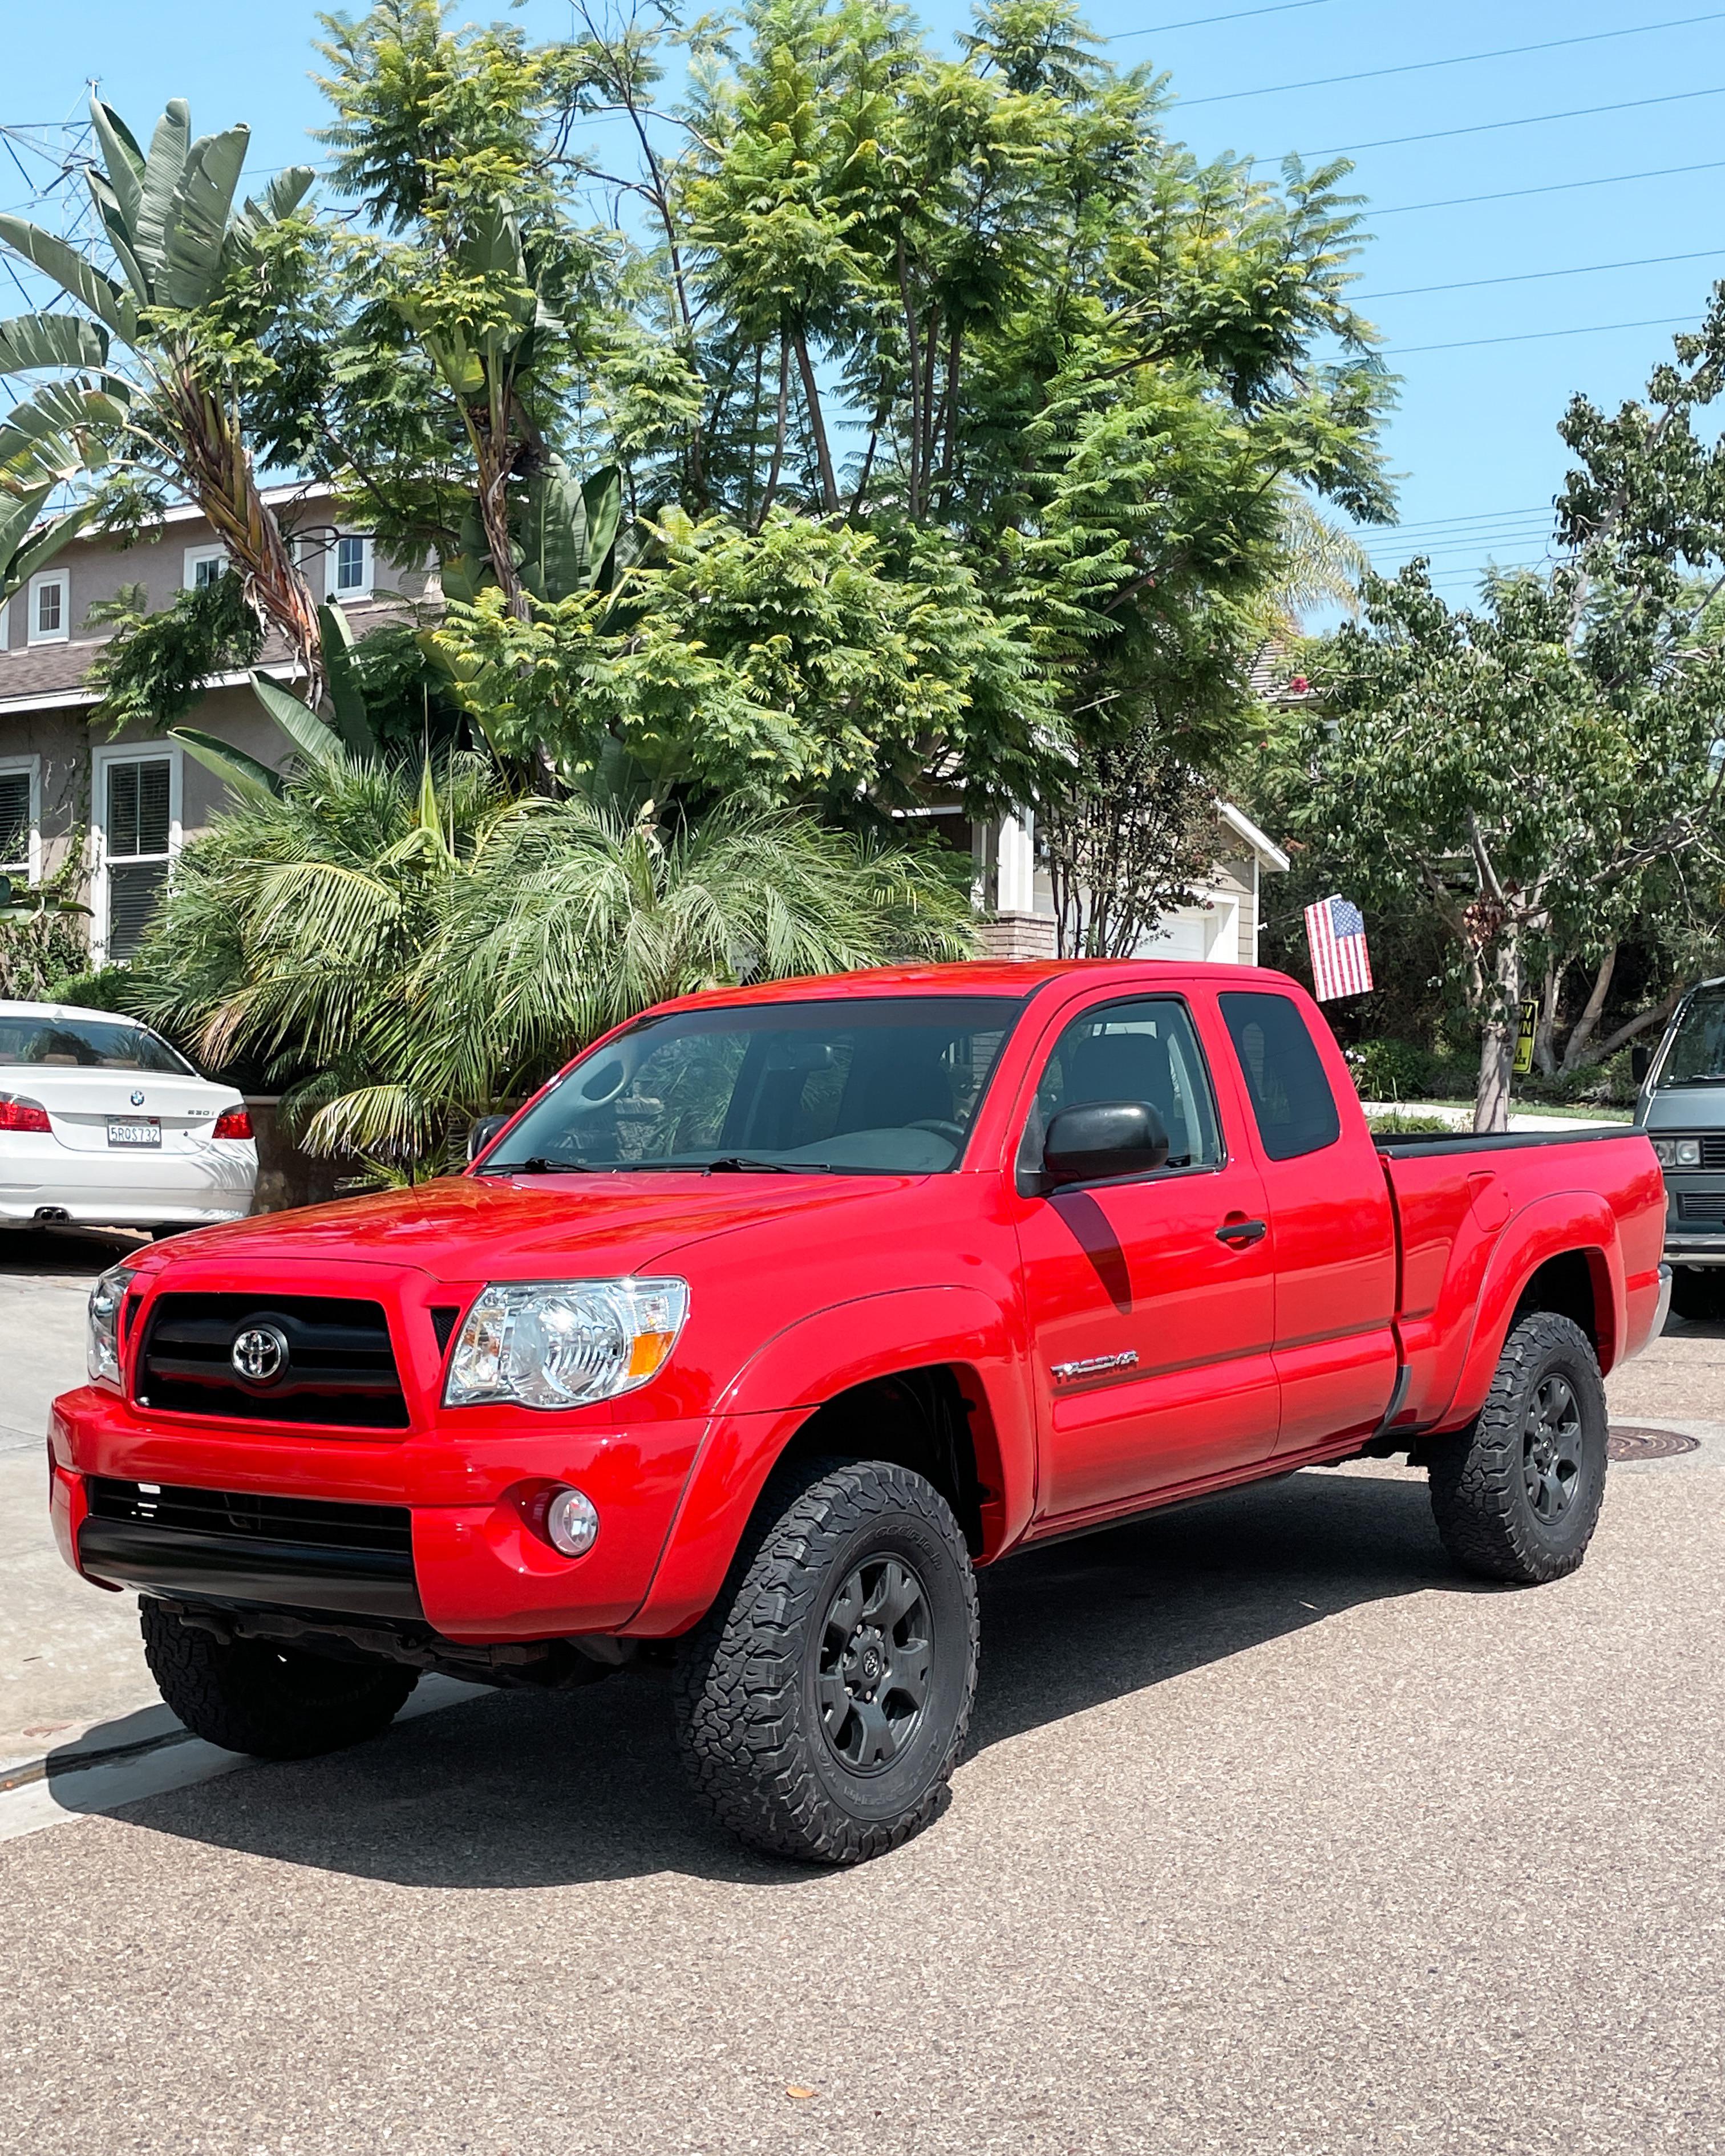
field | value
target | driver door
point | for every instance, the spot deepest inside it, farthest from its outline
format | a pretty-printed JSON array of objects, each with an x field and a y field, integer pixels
[{"x": 1150, "y": 1300}]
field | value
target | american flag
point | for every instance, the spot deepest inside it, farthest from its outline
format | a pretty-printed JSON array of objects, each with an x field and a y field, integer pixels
[{"x": 1340, "y": 964}]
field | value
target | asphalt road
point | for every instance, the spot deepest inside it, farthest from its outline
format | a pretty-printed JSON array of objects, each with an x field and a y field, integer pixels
[{"x": 1275, "y": 1836}]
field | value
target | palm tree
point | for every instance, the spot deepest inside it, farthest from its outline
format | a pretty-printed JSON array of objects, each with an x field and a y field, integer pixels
[
  {"x": 411, "y": 951},
  {"x": 170, "y": 407}
]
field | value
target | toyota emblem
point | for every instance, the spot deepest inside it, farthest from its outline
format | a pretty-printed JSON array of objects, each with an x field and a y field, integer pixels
[
  {"x": 137, "y": 1100},
  {"x": 259, "y": 1354}
]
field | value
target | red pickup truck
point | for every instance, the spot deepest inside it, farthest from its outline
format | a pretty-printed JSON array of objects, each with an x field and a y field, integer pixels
[{"x": 781, "y": 1310}]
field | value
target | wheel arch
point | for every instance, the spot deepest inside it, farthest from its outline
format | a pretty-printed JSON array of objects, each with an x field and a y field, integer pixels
[{"x": 1561, "y": 1254}]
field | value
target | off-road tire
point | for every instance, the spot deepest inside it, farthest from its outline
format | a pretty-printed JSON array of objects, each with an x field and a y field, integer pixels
[
  {"x": 1490, "y": 1518},
  {"x": 1698, "y": 1292},
  {"x": 277, "y": 1702},
  {"x": 755, "y": 1706}
]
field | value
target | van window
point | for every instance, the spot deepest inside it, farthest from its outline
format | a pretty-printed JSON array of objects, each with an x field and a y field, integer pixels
[{"x": 1291, "y": 1101}]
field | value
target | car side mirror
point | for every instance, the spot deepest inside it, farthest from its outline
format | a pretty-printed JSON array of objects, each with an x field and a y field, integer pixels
[
  {"x": 1099, "y": 1139},
  {"x": 1641, "y": 1062},
  {"x": 482, "y": 1133}
]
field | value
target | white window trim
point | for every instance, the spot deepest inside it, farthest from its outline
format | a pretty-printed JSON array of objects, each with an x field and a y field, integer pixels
[
  {"x": 6, "y": 623},
  {"x": 332, "y": 563},
  {"x": 62, "y": 633},
  {"x": 136, "y": 753},
  {"x": 194, "y": 555},
  {"x": 9, "y": 766}
]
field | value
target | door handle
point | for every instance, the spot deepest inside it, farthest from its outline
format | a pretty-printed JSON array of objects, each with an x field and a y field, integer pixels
[{"x": 1238, "y": 1233}]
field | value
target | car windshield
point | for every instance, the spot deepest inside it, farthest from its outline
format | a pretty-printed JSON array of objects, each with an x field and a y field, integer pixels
[
  {"x": 1697, "y": 1053},
  {"x": 883, "y": 1086},
  {"x": 87, "y": 1044}
]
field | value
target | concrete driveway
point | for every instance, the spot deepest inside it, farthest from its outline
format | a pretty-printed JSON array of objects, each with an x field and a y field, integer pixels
[{"x": 1275, "y": 1836}]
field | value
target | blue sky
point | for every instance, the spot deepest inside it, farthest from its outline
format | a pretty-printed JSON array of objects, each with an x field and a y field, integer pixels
[{"x": 1474, "y": 438}]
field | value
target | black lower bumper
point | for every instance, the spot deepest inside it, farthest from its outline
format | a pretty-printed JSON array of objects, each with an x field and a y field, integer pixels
[{"x": 249, "y": 1570}]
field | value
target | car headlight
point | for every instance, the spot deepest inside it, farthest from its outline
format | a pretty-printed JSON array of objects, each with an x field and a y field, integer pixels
[
  {"x": 1664, "y": 1152},
  {"x": 1688, "y": 1153},
  {"x": 102, "y": 1352},
  {"x": 564, "y": 1343}
]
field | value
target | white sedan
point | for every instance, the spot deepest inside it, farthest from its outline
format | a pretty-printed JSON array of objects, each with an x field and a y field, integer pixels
[{"x": 101, "y": 1121}]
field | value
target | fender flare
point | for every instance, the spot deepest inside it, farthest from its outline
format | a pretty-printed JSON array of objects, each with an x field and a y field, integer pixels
[
  {"x": 1562, "y": 1223},
  {"x": 811, "y": 1361}
]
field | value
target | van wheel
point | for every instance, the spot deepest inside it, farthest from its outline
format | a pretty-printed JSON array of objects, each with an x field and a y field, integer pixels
[
  {"x": 1516, "y": 1497},
  {"x": 823, "y": 1702},
  {"x": 1699, "y": 1293},
  {"x": 276, "y": 1702}
]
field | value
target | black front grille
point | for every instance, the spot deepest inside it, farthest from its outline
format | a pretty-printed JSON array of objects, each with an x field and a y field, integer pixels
[
  {"x": 1713, "y": 1152},
  {"x": 339, "y": 1369},
  {"x": 387, "y": 1530},
  {"x": 1708, "y": 1205}
]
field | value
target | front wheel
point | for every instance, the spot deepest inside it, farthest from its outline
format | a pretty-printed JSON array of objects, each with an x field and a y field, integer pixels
[
  {"x": 822, "y": 1707},
  {"x": 276, "y": 1702},
  {"x": 1516, "y": 1497}
]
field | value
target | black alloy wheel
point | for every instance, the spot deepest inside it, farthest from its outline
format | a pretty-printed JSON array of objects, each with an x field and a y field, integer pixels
[
  {"x": 1516, "y": 1495},
  {"x": 877, "y": 1649},
  {"x": 1551, "y": 1448},
  {"x": 823, "y": 1702}
]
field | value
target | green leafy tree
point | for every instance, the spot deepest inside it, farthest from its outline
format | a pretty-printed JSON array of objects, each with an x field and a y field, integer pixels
[{"x": 1541, "y": 771}]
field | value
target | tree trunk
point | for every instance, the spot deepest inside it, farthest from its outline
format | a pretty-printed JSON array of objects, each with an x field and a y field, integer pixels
[
  {"x": 817, "y": 427},
  {"x": 1576, "y": 1047},
  {"x": 1545, "y": 1060},
  {"x": 784, "y": 398},
  {"x": 1497, "y": 1036}
]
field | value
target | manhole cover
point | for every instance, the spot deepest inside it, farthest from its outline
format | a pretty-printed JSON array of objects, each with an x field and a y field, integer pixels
[{"x": 1634, "y": 1440}]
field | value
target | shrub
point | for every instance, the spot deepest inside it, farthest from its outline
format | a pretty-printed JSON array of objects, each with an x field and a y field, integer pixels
[
  {"x": 37, "y": 951},
  {"x": 1395, "y": 1125},
  {"x": 1395, "y": 1070}
]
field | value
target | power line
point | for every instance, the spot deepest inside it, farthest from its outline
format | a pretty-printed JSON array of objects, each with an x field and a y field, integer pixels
[
  {"x": 1533, "y": 276},
  {"x": 1532, "y": 336},
  {"x": 1557, "y": 187},
  {"x": 1472, "y": 516},
  {"x": 1459, "y": 60},
  {"x": 1496, "y": 126},
  {"x": 1204, "y": 22}
]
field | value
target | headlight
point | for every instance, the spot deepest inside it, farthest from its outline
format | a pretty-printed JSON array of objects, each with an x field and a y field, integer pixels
[
  {"x": 102, "y": 1355},
  {"x": 563, "y": 1343},
  {"x": 1689, "y": 1152},
  {"x": 1664, "y": 1152}
]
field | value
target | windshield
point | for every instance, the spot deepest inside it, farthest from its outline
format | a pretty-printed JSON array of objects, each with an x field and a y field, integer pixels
[
  {"x": 87, "y": 1044},
  {"x": 1697, "y": 1053},
  {"x": 885, "y": 1085}
]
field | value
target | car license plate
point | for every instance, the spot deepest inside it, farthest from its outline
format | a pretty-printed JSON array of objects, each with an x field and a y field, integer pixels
[{"x": 144, "y": 1130}]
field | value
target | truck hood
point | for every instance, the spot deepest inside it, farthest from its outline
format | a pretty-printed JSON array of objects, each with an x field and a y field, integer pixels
[
  {"x": 544, "y": 1227},
  {"x": 1686, "y": 1108}
]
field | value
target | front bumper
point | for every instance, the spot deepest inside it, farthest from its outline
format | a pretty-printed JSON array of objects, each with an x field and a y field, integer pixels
[{"x": 481, "y": 1571}]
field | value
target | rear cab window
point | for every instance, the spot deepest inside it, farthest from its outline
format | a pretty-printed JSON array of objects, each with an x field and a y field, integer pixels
[{"x": 1292, "y": 1103}]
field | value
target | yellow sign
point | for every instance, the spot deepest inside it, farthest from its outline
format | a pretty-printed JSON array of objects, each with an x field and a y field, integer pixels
[{"x": 1524, "y": 1039}]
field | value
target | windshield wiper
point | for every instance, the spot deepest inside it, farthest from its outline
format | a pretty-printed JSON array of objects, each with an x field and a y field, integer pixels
[
  {"x": 537, "y": 1164},
  {"x": 1696, "y": 1078},
  {"x": 743, "y": 1163}
]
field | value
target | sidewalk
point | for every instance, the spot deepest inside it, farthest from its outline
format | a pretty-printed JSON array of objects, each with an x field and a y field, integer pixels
[{"x": 1460, "y": 1117}]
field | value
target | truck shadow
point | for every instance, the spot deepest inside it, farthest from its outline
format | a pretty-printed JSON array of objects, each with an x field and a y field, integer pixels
[{"x": 518, "y": 1790}]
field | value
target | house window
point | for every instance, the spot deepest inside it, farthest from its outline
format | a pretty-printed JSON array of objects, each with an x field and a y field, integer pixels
[
  {"x": 350, "y": 567},
  {"x": 20, "y": 818},
  {"x": 50, "y": 607},
  {"x": 137, "y": 798},
  {"x": 203, "y": 566}
]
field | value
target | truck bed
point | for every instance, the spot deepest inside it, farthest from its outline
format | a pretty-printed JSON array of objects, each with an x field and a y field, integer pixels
[{"x": 1461, "y": 1272}]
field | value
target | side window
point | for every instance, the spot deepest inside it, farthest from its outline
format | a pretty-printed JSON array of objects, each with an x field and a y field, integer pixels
[
  {"x": 1291, "y": 1099},
  {"x": 1145, "y": 1050}
]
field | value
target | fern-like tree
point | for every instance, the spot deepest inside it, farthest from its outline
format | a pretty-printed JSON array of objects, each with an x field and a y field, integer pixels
[{"x": 408, "y": 950}]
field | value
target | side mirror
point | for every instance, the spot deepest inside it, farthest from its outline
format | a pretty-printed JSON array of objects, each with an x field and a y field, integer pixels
[
  {"x": 1641, "y": 1062},
  {"x": 482, "y": 1133},
  {"x": 1103, "y": 1138}
]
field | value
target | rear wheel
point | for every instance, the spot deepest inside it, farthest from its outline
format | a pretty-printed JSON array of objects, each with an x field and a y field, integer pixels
[
  {"x": 1699, "y": 1293},
  {"x": 278, "y": 1702},
  {"x": 1516, "y": 1497},
  {"x": 823, "y": 1704}
]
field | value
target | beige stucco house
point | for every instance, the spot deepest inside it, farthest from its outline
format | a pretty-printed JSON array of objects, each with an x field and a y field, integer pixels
[{"x": 131, "y": 801}]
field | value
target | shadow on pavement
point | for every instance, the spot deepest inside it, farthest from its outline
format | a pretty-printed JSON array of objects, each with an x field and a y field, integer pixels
[
  {"x": 522, "y": 1790},
  {"x": 65, "y": 1253}
]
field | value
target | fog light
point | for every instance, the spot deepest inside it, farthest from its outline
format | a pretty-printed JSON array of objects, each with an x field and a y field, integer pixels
[{"x": 571, "y": 1522}]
